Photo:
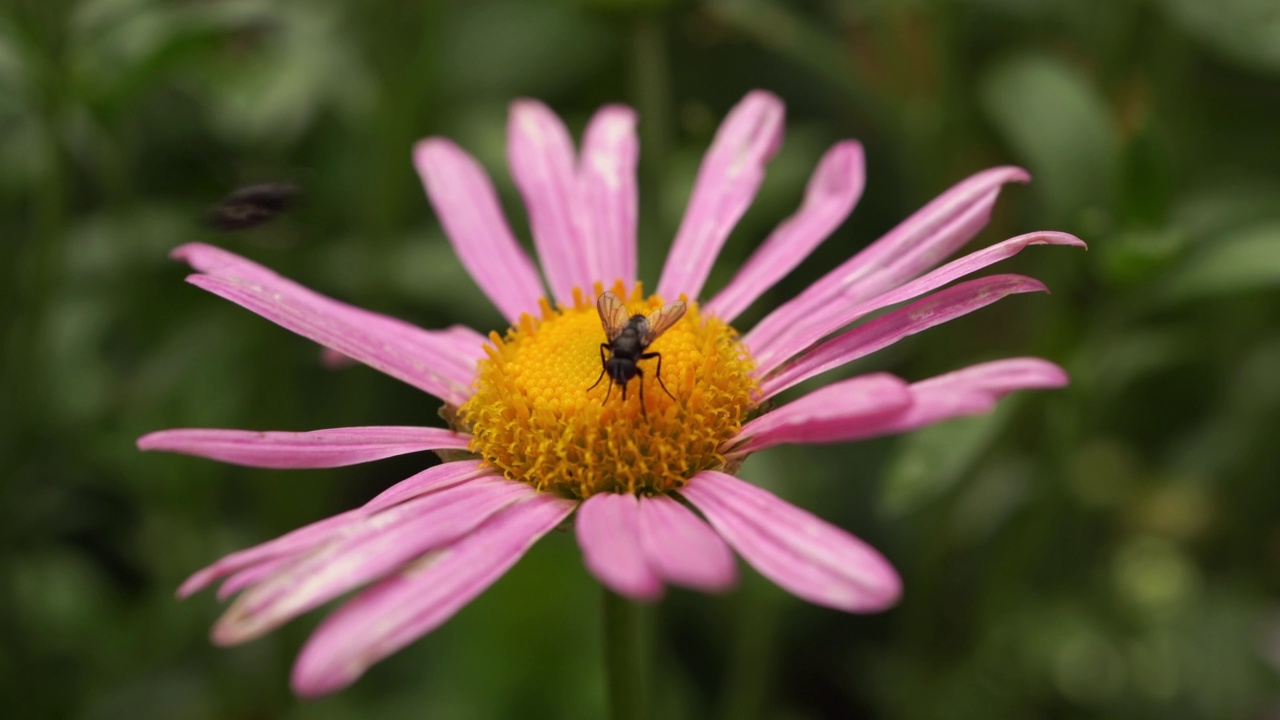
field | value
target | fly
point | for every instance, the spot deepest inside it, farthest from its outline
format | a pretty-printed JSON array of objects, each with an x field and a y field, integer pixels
[
  {"x": 252, "y": 205},
  {"x": 628, "y": 337}
]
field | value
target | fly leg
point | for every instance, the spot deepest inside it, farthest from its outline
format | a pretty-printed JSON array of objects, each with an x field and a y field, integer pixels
[
  {"x": 643, "y": 413},
  {"x": 650, "y": 356},
  {"x": 603, "y": 365}
]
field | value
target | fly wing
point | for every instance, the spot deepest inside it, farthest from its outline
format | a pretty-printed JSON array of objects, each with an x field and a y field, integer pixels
[
  {"x": 613, "y": 314},
  {"x": 661, "y": 320}
]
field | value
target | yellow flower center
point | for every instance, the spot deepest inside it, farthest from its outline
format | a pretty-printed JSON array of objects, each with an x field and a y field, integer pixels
[{"x": 533, "y": 416}]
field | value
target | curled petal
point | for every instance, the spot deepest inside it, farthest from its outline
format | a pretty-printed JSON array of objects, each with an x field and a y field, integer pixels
[
  {"x": 468, "y": 208},
  {"x": 540, "y": 153},
  {"x": 831, "y": 414},
  {"x": 608, "y": 530},
  {"x": 936, "y": 309},
  {"x": 415, "y": 601},
  {"x": 837, "y": 312},
  {"x": 802, "y": 553},
  {"x": 366, "y": 551},
  {"x": 831, "y": 195},
  {"x": 610, "y": 150},
  {"x": 315, "y": 449},
  {"x": 682, "y": 549},
  {"x": 727, "y": 182},
  {"x": 935, "y": 231}
]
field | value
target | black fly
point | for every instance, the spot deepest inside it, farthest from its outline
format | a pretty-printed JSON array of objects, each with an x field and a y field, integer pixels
[
  {"x": 252, "y": 205},
  {"x": 628, "y": 338}
]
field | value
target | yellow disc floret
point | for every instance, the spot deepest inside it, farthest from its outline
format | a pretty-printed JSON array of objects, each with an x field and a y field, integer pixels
[{"x": 533, "y": 417}]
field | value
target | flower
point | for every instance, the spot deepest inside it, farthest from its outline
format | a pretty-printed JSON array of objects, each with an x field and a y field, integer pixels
[{"x": 629, "y": 468}]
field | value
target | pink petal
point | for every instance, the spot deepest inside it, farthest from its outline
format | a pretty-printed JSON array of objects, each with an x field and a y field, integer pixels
[
  {"x": 540, "y": 153},
  {"x": 256, "y": 568},
  {"x": 366, "y": 551},
  {"x": 307, "y": 537},
  {"x": 935, "y": 230},
  {"x": 608, "y": 190},
  {"x": 830, "y": 414},
  {"x": 682, "y": 549},
  {"x": 802, "y": 553},
  {"x": 831, "y": 195},
  {"x": 459, "y": 344},
  {"x": 415, "y": 601},
  {"x": 430, "y": 480},
  {"x": 398, "y": 359},
  {"x": 316, "y": 449},
  {"x": 288, "y": 545},
  {"x": 468, "y": 208},
  {"x": 394, "y": 347},
  {"x": 608, "y": 530},
  {"x": 726, "y": 184},
  {"x": 216, "y": 261},
  {"x": 1000, "y": 377},
  {"x": 254, "y": 574},
  {"x": 462, "y": 341},
  {"x": 929, "y": 406},
  {"x": 837, "y": 312},
  {"x": 940, "y": 307},
  {"x": 465, "y": 341},
  {"x": 971, "y": 391}
]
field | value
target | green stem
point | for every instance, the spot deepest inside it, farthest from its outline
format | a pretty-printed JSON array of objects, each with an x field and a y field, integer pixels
[
  {"x": 622, "y": 656},
  {"x": 651, "y": 83}
]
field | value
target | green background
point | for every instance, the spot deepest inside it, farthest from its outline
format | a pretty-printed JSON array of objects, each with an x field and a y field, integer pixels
[{"x": 1110, "y": 550}]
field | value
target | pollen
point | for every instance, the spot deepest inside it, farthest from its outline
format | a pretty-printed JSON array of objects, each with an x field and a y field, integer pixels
[{"x": 537, "y": 418}]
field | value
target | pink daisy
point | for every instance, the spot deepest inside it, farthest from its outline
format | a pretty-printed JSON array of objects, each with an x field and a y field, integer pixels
[{"x": 650, "y": 489}]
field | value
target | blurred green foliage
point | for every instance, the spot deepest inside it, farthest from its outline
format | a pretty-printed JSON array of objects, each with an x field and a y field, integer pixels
[{"x": 1111, "y": 550}]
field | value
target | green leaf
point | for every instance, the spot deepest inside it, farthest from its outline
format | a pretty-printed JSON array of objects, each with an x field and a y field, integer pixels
[
  {"x": 1245, "y": 261},
  {"x": 506, "y": 48},
  {"x": 1246, "y": 31},
  {"x": 1057, "y": 124}
]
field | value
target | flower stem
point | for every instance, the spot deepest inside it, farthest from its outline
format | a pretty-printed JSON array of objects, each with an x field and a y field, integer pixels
[
  {"x": 651, "y": 89},
  {"x": 622, "y": 656}
]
